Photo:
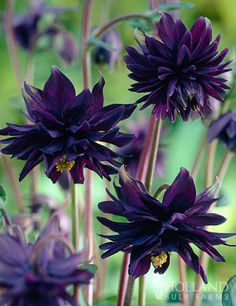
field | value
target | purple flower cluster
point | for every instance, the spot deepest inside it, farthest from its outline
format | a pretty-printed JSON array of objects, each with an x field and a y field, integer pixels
[
  {"x": 157, "y": 228},
  {"x": 66, "y": 131},
  {"x": 39, "y": 274},
  {"x": 179, "y": 70}
]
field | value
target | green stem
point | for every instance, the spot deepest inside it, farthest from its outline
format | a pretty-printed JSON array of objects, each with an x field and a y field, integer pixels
[
  {"x": 210, "y": 163},
  {"x": 116, "y": 20},
  {"x": 74, "y": 217},
  {"x": 160, "y": 190},
  {"x": 153, "y": 155},
  {"x": 141, "y": 295},
  {"x": 129, "y": 293}
]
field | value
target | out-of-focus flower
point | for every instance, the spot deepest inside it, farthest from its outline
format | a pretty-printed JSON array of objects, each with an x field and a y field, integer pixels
[
  {"x": 66, "y": 46},
  {"x": 105, "y": 55},
  {"x": 40, "y": 202},
  {"x": 180, "y": 70},
  {"x": 39, "y": 274},
  {"x": 156, "y": 229},
  {"x": 131, "y": 153},
  {"x": 67, "y": 132},
  {"x": 224, "y": 129},
  {"x": 27, "y": 30}
]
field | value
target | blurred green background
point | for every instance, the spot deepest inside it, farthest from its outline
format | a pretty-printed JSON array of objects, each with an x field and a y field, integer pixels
[{"x": 181, "y": 139}]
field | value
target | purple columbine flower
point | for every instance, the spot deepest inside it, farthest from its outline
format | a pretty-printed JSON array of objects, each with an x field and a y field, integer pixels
[
  {"x": 27, "y": 30},
  {"x": 179, "y": 70},
  {"x": 66, "y": 131},
  {"x": 155, "y": 229},
  {"x": 39, "y": 274},
  {"x": 131, "y": 152},
  {"x": 103, "y": 55},
  {"x": 224, "y": 129}
]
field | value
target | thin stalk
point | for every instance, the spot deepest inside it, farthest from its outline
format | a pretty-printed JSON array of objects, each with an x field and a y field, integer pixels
[
  {"x": 183, "y": 281},
  {"x": 11, "y": 42},
  {"x": 224, "y": 166},
  {"x": 118, "y": 19},
  {"x": 74, "y": 217},
  {"x": 153, "y": 154},
  {"x": 153, "y": 4},
  {"x": 125, "y": 285},
  {"x": 148, "y": 184},
  {"x": 144, "y": 158},
  {"x": 160, "y": 190},
  {"x": 204, "y": 258},
  {"x": 14, "y": 185},
  {"x": 141, "y": 294},
  {"x": 198, "y": 158},
  {"x": 88, "y": 211},
  {"x": 210, "y": 163},
  {"x": 125, "y": 291},
  {"x": 129, "y": 294}
]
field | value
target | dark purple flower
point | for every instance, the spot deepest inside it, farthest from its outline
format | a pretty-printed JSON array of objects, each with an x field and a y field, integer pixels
[
  {"x": 39, "y": 274},
  {"x": 155, "y": 229},
  {"x": 131, "y": 152},
  {"x": 67, "y": 132},
  {"x": 224, "y": 129},
  {"x": 28, "y": 29},
  {"x": 26, "y": 26},
  {"x": 180, "y": 70},
  {"x": 104, "y": 55}
]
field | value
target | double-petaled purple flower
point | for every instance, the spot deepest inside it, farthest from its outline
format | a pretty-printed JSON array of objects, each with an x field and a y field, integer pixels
[
  {"x": 39, "y": 274},
  {"x": 224, "y": 129},
  {"x": 66, "y": 131},
  {"x": 155, "y": 229},
  {"x": 179, "y": 70}
]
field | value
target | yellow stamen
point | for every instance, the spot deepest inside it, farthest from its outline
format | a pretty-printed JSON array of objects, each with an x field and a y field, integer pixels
[
  {"x": 159, "y": 260},
  {"x": 64, "y": 165}
]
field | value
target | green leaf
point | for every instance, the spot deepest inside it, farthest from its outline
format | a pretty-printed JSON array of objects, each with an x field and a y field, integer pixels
[
  {"x": 142, "y": 24},
  {"x": 99, "y": 43},
  {"x": 3, "y": 197},
  {"x": 229, "y": 293},
  {"x": 91, "y": 268}
]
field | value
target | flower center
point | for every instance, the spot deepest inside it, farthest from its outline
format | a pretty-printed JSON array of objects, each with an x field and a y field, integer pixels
[
  {"x": 64, "y": 165},
  {"x": 159, "y": 260}
]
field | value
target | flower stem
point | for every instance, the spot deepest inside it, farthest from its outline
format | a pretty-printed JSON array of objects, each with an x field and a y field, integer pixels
[
  {"x": 210, "y": 163},
  {"x": 204, "y": 258},
  {"x": 224, "y": 166},
  {"x": 141, "y": 295},
  {"x": 116, "y": 20},
  {"x": 125, "y": 291},
  {"x": 183, "y": 281},
  {"x": 198, "y": 158},
  {"x": 153, "y": 154},
  {"x": 74, "y": 217},
  {"x": 88, "y": 212},
  {"x": 14, "y": 184},
  {"x": 148, "y": 184},
  {"x": 129, "y": 294},
  {"x": 160, "y": 190},
  {"x": 11, "y": 42}
]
